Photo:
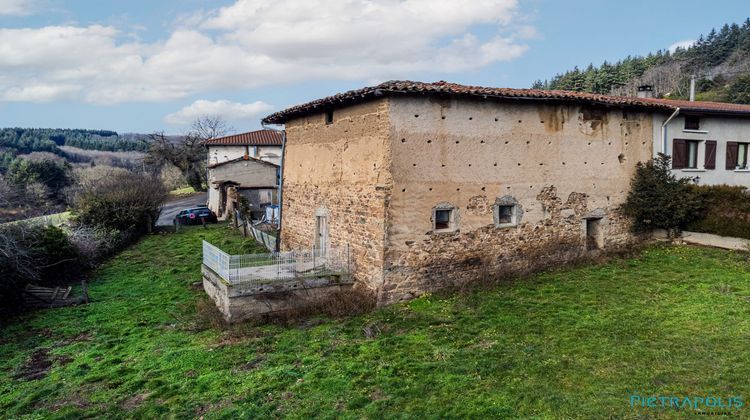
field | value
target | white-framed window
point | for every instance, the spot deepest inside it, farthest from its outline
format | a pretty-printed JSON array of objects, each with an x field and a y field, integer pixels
[
  {"x": 506, "y": 212},
  {"x": 742, "y": 155},
  {"x": 444, "y": 218},
  {"x": 692, "y": 153}
]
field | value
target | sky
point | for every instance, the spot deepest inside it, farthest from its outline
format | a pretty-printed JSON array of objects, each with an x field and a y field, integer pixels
[{"x": 145, "y": 65}]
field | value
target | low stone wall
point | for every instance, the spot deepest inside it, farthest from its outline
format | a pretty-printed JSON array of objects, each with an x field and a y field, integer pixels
[
  {"x": 707, "y": 239},
  {"x": 243, "y": 301}
]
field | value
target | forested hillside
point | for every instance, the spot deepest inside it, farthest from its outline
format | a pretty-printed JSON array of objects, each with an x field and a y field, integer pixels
[
  {"x": 18, "y": 141},
  {"x": 720, "y": 61},
  {"x": 27, "y": 140}
]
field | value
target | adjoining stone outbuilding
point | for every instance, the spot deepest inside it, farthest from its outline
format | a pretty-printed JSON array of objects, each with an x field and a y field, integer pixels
[
  {"x": 253, "y": 179},
  {"x": 244, "y": 165},
  {"x": 437, "y": 184}
]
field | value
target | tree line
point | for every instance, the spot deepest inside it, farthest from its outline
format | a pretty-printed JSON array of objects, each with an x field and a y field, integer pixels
[
  {"x": 16, "y": 141},
  {"x": 718, "y": 59}
]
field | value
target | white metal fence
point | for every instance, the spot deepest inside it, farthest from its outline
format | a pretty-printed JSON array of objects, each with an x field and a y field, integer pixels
[
  {"x": 277, "y": 266},
  {"x": 268, "y": 240}
]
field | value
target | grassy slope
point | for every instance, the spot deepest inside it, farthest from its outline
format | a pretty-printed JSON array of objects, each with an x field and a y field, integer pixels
[
  {"x": 183, "y": 191},
  {"x": 572, "y": 343}
]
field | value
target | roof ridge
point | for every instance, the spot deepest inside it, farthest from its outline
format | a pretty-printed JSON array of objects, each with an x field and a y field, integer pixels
[
  {"x": 264, "y": 137},
  {"x": 449, "y": 88}
]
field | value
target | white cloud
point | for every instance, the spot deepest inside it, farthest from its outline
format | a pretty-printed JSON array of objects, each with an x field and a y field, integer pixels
[
  {"x": 681, "y": 44},
  {"x": 258, "y": 43},
  {"x": 17, "y": 7},
  {"x": 229, "y": 111}
]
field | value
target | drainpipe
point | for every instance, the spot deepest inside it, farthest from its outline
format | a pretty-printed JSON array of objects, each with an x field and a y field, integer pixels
[
  {"x": 664, "y": 130},
  {"x": 281, "y": 177}
]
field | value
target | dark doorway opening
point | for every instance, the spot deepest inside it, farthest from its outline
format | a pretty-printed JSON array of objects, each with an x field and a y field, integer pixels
[{"x": 594, "y": 234}]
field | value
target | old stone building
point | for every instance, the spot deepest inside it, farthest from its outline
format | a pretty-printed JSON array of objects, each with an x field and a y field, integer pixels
[
  {"x": 243, "y": 165},
  {"x": 436, "y": 184}
]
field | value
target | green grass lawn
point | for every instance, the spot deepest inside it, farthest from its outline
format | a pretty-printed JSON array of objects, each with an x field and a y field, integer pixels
[
  {"x": 55, "y": 219},
  {"x": 183, "y": 191},
  {"x": 570, "y": 343}
]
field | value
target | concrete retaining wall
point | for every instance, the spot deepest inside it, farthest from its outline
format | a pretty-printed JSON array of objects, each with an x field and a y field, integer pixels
[
  {"x": 244, "y": 301},
  {"x": 707, "y": 239}
]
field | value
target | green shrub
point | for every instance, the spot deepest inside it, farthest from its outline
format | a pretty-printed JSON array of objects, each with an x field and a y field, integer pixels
[
  {"x": 17, "y": 268},
  {"x": 52, "y": 174},
  {"x": 739, "y": 90},
  {"x": 123, "y": 201},
  {"x": 33, "y": 253},
  {"x": 57, "y": 258},
  {"x": 658, "y": 200},
  {"x": 726, "y": 211},
  {"x": 95, "y": 244}
]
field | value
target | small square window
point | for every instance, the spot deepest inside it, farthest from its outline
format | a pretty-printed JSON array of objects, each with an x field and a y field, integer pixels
[
  {"x": 506, "y": 212},
  {"x": 443, "y": 219},
  {"x": 505, "y": 215},
  {"x": 692, "y": 122},
  {"x": 329, "y": 117}
]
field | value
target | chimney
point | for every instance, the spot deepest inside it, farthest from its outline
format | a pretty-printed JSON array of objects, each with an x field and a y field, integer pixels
[
  {"x": 692, "y": 88},
  {"x": 645, "y": 91},
  {"x": 247, "y": 153}
]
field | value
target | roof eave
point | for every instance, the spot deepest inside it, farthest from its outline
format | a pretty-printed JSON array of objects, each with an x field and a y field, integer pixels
[{"x": 283, "y": 117}]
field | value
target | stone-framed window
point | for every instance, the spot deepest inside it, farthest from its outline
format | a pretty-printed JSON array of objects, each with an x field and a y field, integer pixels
[
  {"x": 506, "y": 212},
  {"x": 444, "y": 218}
]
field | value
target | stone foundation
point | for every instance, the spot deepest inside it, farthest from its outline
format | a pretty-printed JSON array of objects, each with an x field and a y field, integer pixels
[
  {"x": 244, "y": 301},
  {"x": 445, "y": 260}
]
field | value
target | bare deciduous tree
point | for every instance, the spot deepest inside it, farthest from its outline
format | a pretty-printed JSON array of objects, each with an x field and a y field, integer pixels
[
  {"x": 209, "y": 127},
  {"x": 187, "y": 152}
]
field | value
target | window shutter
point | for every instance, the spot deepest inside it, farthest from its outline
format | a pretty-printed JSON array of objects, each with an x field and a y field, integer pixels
[
  {"x": 710, "y": 154},
  {"x": 679, "y": 154},
  {"x": 732, "y": 149}
]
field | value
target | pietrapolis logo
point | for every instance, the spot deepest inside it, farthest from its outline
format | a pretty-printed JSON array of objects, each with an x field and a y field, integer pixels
[{"x": 690, "y": 402}]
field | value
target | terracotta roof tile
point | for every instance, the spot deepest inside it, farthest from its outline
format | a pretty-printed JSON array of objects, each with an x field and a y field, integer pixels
[
  {"x": 252, "y": 138},
  {"x": 405, "y": 87},
  {"x": 702, "y": 106}
]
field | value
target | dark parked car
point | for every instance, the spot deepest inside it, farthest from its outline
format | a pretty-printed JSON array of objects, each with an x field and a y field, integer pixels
[{"x": 195, "y": 216}]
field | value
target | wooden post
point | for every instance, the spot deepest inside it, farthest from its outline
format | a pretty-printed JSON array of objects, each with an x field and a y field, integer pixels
[{"x": 85, "y": 291}]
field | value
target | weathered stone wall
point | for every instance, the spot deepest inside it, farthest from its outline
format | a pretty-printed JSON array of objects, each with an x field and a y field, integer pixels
[
  {"x": 342, "y": 170},
  {"x": 248, "y": 173},
  {"x": 561, "y": 163},
  {"x": 239, "y": 302}
]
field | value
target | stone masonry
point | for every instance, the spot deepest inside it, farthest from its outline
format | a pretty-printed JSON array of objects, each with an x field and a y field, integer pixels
[
  {"x": 340, "y": 170},
  {"x": 379, "y": 170}
]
